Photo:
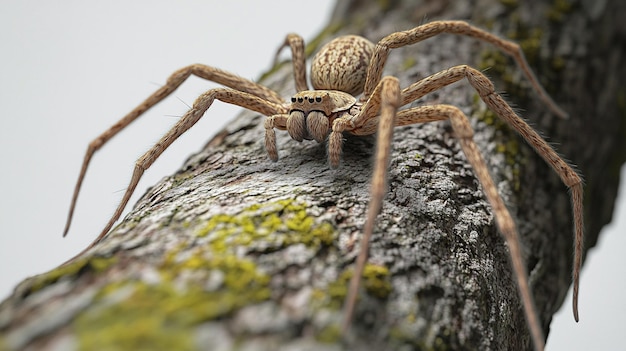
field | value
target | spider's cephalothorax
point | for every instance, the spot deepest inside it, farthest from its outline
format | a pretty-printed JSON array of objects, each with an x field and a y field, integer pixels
[
  {"x": 343, "y": 69},
  {"x": 312, "y": 113}
]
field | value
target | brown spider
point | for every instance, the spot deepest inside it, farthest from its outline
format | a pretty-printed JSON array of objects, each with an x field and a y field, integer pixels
[{"x": 340, "y": 71}]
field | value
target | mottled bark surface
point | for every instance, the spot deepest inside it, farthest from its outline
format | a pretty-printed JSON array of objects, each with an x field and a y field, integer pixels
[{"x": 237, "y": 252}]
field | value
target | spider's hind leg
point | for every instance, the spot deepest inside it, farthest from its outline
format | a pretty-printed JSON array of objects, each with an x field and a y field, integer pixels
[{"x": 296, "y": 44}]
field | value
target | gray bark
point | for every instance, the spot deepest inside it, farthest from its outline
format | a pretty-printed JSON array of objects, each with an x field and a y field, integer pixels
[{"x": 237, "y": 252}]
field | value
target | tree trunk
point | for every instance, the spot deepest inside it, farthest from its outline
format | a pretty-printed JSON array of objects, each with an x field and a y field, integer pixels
[{"x": 237, "y": 252}]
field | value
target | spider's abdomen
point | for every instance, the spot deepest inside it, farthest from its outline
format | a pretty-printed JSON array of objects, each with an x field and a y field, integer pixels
[{"x": 342, "y": 64}]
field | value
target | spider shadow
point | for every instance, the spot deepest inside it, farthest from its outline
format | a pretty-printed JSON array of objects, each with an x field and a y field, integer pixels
[{"x": 359, "y": 149}]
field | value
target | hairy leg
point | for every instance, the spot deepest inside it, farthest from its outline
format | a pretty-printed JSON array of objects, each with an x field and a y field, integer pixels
[
  {"x": 423, "y": 32},
  {"x": 200, "y": 106},
  {"x": 387, "y": 102},
  {"x": 486, "y": 91},
  {"x": 296, "y": 43},
  {"x": 173, "y": 82},
  {"x": 271, "y": 123},
  {"x": 464, "y": 133}
]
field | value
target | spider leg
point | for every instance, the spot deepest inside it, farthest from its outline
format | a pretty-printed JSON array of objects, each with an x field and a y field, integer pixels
[
  {"x": 200, "y": 106},
  {"x": 506, "y": 225},
  {"x": 386, "y": 99},
  {"x": 271, "y": 122},
  {"x": 568, "y": 176},
  {"x": 296, "y": 43},
  {"x": 487, "y": 93},
  {"x": 173, "y": 82},
  {"x": 425, "y": 31}
]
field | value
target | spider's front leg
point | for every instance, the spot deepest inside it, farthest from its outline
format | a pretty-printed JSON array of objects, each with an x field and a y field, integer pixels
[
  {"x": 200, "y": 106},
  {"x": 386, "y": 99},
  {"x": 173, "y": 82},
  {"x": 275, "y": 121}
]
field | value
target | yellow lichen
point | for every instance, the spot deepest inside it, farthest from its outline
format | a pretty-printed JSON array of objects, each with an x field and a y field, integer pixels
[
  {"x": 509, "y": 3},
  {"x": 95, "y": 264},
  {"x": 376, "y": 281},
  {"x": 162, "y": 315},
  {"x": 329, "y": 334},
  {"x": 279, "y": 223},
  {"x": 196, "y": 283},
  {"x": 558, "y": 10},
  {"x": 408, "y": 63},
  {"x": 507, "y": 141}
]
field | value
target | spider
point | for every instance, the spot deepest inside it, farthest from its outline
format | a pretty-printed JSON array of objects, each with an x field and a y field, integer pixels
[{"x": 350, "y": 96}]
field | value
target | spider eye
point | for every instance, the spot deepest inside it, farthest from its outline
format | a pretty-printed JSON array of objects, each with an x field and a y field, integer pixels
[
  {"x": 293, "y": 99},
  {"x": 311, "y": 100},
  {"x": 300, "y": 99},
  {"x": 318, "y": 99}
]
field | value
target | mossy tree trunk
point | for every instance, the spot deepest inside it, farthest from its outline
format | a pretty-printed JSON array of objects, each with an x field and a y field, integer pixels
[{"x": 236, "y": 251}]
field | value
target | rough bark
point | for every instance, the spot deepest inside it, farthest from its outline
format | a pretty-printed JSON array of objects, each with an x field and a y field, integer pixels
[{"x": 236, "y": 252}]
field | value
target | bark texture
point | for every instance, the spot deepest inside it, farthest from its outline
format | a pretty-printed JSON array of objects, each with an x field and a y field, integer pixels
[{"x": 237, "y": 252}]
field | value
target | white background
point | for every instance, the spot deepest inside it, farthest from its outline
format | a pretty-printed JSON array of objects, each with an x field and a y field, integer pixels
[{"x": 69, "y": 71}]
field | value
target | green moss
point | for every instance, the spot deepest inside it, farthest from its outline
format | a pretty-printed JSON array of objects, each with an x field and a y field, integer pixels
[
  {"x": 502, "y": 67},
  {"x": 558, "y": 64},
  {"x": 331, "y": 333},
  {"x": 162, "y": 315},
  {"x": 338, "y": 290},
  {"x": 314, "y": 44},
  {"x": 197, "y": 284},
  {"x": 384, "y": 5},
  {"x": 558, "y": 10},
  {"x": 279, "y": 223},
  {"x": 69, "y": 270},
  {"x": 376, "y": 281},
  {"x": 240, "y": 276},
  {"x": 530, "y": 42},
  {"x": 408, "y": 63},
  {"x": 507, "y": 140},
  {"x": 510, "y": 3},
  {"x": 277, "y": 66},
  {"x": 333, "y": 296},
  {"x": 131, "y": 222},
  {"x": 441, "y": 342},
  {"x": 143, "y": 321},
  {"x": 498, "y": 64}
]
